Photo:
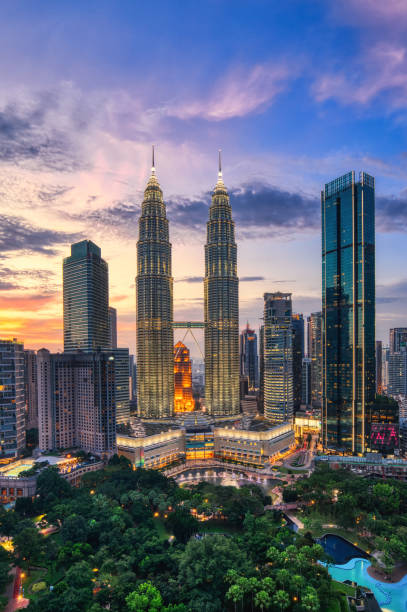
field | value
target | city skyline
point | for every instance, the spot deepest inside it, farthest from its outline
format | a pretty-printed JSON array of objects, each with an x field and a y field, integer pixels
[{"x": 75, "y": 139}]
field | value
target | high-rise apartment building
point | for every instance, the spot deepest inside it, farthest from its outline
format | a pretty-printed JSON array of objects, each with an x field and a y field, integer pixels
[
  {"x": 379, "y": 367},
  {"x": 12, "y": 399},
  {"x": 348, "y": 310},
  {"x": 221, "y": 299},
  {"x": 86, "y": 298},
  {"x": 306, "y": 396},
  {"x": 112, "y": 327},
  {"x": 122, "y": 384},
  {"x": 30, "y": 389},
  {"x": 278, "y": 357},
  {"x": 261, "y": 370},
  {"x": 297, "y": 322},
  {"x": 183, "y": 398},
  {"x": 397, "y": 377},
  {"x": 249, "y": 361},
  {"x": 398, "y": 339},
  {"x": 76, "y": 401},
  {"x": 154, "y": 298},
  {"x": 314, "y": 327}
]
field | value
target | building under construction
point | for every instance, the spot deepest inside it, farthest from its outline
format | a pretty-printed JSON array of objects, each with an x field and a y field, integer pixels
[{"x": 183, "y": 398}]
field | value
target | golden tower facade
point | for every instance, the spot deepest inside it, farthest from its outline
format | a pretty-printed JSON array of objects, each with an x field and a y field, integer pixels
[{"x": 183, "y": 398}]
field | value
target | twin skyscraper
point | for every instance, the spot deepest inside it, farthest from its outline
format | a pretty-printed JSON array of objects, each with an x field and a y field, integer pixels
[{"x": 154, "y": 297}]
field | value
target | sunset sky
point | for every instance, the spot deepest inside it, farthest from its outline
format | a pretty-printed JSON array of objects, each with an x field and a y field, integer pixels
[{"x": 295, "y": 93}]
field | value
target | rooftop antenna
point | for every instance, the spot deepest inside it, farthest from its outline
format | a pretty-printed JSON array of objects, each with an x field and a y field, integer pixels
[
  {"x": 220, "y": 164},
  {"x": 153, "y": 161}
]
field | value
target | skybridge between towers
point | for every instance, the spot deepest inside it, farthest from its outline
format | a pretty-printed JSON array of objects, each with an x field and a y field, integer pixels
[{"x": 189, "y": 326}]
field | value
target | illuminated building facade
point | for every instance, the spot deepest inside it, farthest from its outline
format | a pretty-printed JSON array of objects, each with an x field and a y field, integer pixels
[
  {"x": 348, "y": 311},
  {"x": 398, "y": 339},
  {"x": 314, "y": 325},
  {"x": 183, "y": 399},
  {"x": 76, "y": 401},
  {"x": 154, "y": 298},
  {"x": 278, "y": 358},
  {"x": 112, "y": 327},
  {"x": 30, "y": 389},
  {"x": 297, "y": 322},
  {"x": 379, "y": 367},
  {"x": 86, "y": 298},
  {"x": 221, "y": 295},
  {"x": 249, "y": 361},
  {"x": 12, "y": 398}
]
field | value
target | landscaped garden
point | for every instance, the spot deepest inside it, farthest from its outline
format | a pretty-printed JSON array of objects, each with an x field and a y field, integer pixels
[{"x": 134, "y": 540}]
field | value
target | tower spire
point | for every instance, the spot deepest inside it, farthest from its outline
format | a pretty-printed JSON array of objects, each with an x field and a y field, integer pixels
[
  {"x": 220, "y": 164},
  {"x": 153, "y": 161}
]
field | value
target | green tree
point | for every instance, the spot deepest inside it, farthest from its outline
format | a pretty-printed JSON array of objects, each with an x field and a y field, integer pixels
[
  {"x": 74, "y": 529},
  {"x": 235, "y": 593},
  {"x": 310, "y": 600},
  {"x": 145, "y": 597},
  {"x": 281, "y": 600},
  {"x": 27, "y": 546},
  {"x": 262, "y": 600}
]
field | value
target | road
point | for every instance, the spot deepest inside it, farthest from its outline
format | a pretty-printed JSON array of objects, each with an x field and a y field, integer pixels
[{"x": 15, "y": 600}]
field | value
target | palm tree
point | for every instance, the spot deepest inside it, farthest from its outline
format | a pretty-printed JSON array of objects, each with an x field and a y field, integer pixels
[
  {"x": 262, "y": 600},
  {"x": 235, "y": 593},
  {"x": 281, "y": 600}
]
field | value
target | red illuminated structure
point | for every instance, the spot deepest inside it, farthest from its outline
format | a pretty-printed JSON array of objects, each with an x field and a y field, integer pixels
[{"x": 183, "y": 399}]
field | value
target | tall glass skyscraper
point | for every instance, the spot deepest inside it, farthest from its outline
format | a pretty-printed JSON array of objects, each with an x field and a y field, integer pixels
[
  {"x": 12, "y": 400},
  {"x": 348, "y": 310},
  {"x": 86, "y": 298},
  {"x": 314, "y": 326},
  {"x": 297, "y": 321},
  {"x": 221, "y": 288},
  {"x": 249, "y": 361},
  {"x": 278, "y": 357},
  {"x": 154, "y": 287}
]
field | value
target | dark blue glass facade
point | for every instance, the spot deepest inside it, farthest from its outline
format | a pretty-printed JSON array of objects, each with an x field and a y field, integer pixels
[{"x": 348, "y": 310}]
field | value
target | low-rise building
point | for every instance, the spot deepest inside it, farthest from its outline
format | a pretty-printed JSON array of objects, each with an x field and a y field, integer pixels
[{"x": 155, "y": 451}]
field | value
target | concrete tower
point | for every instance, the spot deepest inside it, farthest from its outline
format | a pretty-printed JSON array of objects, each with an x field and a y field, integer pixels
[
  {"x": 221, "y": 287},
  {"x": 155, "y": 344}
]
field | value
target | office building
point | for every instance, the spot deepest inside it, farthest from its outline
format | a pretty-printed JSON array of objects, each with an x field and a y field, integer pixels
[
  {"x": 154, "y": 299},
  {"x": 278, "y": 358},
  {"x": 348, "y": 303},
  {"x": 379, "y": 367},
  {"x": 183, "y": 398},
  {"x": 398, "y": 339},
  {"x": 86, "y": 298},
  {"x": 122, "y": 384},
  {"x": 249, "y": 361},
  {"x": 297, "y": 321},
  {"x": 397, "y": 377},
  {"x": 314, "y": 327},
  {"x": 306, "y": 395},
  {"x": 12, "y": 398},
  {"x": 261, "y": 370},
  {"x": 30, "y": 389},
  {"x": 221, "y": 301},
  {"x": 76, "y": 401},
  {"x": 112, "y": 327}
]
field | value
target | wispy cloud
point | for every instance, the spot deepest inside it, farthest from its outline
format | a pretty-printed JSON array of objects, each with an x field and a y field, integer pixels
[
  {"x": 16, "y": 234},
  {"x": 382, "y": 69},
  {"x": 240, "y": 92}
]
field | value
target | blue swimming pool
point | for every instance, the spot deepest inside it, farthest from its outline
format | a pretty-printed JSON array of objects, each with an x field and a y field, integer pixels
[
  {"x": 390, "y": 597},
  {"x": 339, "y": 549}
]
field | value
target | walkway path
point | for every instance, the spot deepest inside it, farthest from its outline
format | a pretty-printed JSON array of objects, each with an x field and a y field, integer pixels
[{"x": 15, "y": 600}]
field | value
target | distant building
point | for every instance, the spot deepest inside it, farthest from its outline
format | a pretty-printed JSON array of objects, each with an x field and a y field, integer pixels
[
  {"x": 261, "y": 370},
  {"x": 379, "y": 367},
  {"x": 297, "y": 322},
  {"x": 132, "y": 378},
  {"x": 306, "y": 396},
  {"x": 112, "y": 327},
  {"x": 397, "y": 376},
  {"x": 278, "y": 358},
  {"x": 12, "y": 398},
  {"x": 398, "y": 339},
  {"x": 183, "y": 398},
  {"x": 122, "y": 388},
  {"x": 249, "y": 361},
  {"x": 348, "y": 311},
  {"x": 86, "y": 298},
  {"x": 76, "y": 401},
  {"x": 30, "y": 389},
  {"x": 314, "y": 337}
]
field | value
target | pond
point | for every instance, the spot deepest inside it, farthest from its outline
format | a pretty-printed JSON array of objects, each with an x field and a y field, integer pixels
[
  {"x": 390, "y": 597},
  {"x": 220, "y": 476}
]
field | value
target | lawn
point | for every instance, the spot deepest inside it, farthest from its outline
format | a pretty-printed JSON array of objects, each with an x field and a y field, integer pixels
[
  {"x": 313, "y": 523},
  {"x": 217, "y": 527},
  {"x": 161, "y": 530},
  {"x": 341, "y": 587}
]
